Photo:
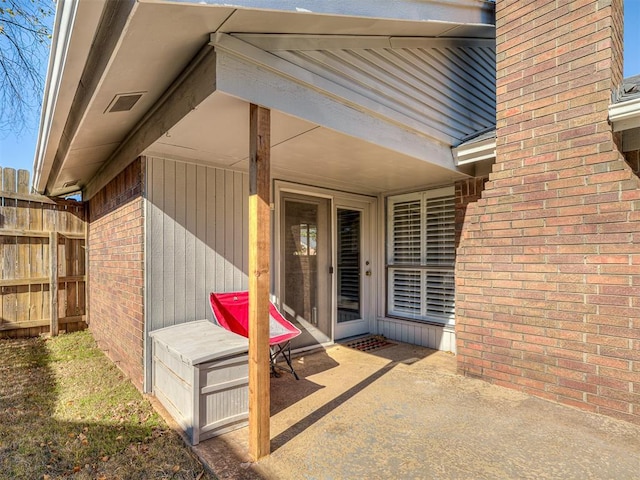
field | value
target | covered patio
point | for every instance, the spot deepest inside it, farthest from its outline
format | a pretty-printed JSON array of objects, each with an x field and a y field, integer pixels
[
  {"x": 297, "y": 151},
  {"x": 402, "y": 412}
]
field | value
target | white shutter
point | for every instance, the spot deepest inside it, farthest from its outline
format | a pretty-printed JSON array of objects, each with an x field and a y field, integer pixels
[
  {"x": 405, "y": 230},
  {"x": 421, "y": 255},
  {"x": 405, "y": 293},
  {"x": 439, "y": 230},
  {"x": 439, "y": 300}
]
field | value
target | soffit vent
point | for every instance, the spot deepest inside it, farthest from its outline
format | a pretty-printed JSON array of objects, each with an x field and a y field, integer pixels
[{"x": 123, "y": 102}]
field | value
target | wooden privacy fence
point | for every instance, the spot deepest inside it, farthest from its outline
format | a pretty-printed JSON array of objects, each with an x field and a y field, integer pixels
[{"x": 43, "y": 267}]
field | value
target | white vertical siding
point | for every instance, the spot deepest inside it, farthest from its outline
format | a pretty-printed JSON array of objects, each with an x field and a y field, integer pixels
[
  {"x": 196, "y": 239},
  {"x": 431, "y": 336},
  {"x": 448, "y": 89}
]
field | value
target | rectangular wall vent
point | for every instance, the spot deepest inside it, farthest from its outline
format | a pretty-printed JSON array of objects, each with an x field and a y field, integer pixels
[{"x": 123, "y": 102}]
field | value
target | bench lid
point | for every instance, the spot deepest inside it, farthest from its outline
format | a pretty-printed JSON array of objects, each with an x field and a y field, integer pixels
[{"x": 200, "y": 341}]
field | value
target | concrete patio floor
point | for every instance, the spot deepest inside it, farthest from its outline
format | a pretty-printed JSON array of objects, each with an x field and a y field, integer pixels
[{"x": 402, "y": 413}]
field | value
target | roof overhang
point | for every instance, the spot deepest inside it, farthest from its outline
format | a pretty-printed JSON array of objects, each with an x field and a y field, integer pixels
[
  {"x": 625, "y": 118},
  {"x": 474, "y": 152},
  {"x": 98, "y": 48},
  {"x": 477, "y": 148},
  {"x": 625, "y": 115},
  {"x": 69, "y": 51}
]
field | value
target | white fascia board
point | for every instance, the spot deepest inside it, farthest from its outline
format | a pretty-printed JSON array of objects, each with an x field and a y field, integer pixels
[
  {"x": 423, "y": 42},
  {"x": 246, "y": 80},
  {"x": 472, "y": 12},
  {"x": 625, "y": 115},
  {"x": 483, "y": 150},
  {"x": 72, "y": 39},
  {"x": 276, "y": 42},
  {"x": 286, "y": 70}
]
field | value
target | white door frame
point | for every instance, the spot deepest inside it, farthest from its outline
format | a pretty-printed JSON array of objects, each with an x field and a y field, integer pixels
[{"x": 337, "y": 199}]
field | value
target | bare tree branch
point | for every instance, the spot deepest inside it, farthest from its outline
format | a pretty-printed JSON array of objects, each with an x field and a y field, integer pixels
[{"x": 24, "y": 46}]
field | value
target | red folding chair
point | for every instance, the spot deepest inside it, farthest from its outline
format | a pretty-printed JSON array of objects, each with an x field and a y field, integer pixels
[{"x": 231, "y": 311}]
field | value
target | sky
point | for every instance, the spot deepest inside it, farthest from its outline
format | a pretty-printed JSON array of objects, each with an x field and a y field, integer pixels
[{"x": 17, "y": 151}]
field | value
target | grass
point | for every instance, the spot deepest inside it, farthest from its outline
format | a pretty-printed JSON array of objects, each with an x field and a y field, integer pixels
[{"x": 67, "y": 412}]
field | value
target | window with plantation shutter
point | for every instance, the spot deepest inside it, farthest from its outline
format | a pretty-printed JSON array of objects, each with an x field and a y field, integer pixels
[{"x": 421, "y": 255}]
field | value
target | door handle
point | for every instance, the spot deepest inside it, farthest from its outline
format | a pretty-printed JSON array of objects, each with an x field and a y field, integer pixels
[{"x": 368, "y": 273}]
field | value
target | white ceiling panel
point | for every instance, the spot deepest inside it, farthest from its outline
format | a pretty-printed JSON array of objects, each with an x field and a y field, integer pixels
[
  {"x": 217, "y": 134},
  {"x": 217, "y": 131}
]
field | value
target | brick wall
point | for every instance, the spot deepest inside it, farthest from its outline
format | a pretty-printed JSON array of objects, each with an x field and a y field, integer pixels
[
  {"x": 467, "y": 192},
  {"x": 548, "y": 267},
  {"x": 116, "y": 270}
]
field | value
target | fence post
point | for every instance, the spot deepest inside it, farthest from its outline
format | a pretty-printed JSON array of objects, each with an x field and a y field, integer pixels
[{"x": 53, "y": 281}]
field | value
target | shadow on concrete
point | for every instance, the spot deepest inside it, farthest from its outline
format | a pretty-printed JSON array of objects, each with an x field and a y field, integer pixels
[
  {"x": 287, "y": 391},
  {"x": 326, "y": 409},
  {"x": 329, "y": 379}
]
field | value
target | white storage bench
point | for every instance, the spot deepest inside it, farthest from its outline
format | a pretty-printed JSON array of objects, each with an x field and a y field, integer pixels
[{"x": 200, "y": 374}]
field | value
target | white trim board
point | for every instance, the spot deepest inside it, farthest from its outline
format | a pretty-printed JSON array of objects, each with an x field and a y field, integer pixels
[
  {"x": 275, "y": 42},
  {"x": 455, "y": 13}
]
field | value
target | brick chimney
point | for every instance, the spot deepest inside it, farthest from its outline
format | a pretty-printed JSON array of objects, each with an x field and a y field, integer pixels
[{"x": 548, "y": 265}]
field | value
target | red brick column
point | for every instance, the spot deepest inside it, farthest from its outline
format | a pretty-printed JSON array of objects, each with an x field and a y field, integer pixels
[
  {"x": 548, "y": 267},
  {"x": 116, "y": 270}
]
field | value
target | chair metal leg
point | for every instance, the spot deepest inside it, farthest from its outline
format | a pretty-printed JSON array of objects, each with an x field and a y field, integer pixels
[{"x": 285, "y": 351}]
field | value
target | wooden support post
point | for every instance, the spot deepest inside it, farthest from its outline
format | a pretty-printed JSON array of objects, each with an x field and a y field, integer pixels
[
  {"x": 259, "y": 249},
  {"x": 53, "y": 282}
]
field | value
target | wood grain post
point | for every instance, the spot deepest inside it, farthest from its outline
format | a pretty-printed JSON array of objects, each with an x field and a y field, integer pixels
[
  {"x": 259, "y": 249},
  {"x": 53, "y": 282}
]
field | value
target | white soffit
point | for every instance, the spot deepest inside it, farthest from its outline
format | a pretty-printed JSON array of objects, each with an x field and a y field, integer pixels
[{"x": 72, "y": 41}]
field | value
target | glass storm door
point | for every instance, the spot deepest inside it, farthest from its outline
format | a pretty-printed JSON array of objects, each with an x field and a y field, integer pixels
[
  {"x": 353, "y": 271},
  {"x": 305, "y": 248}
]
